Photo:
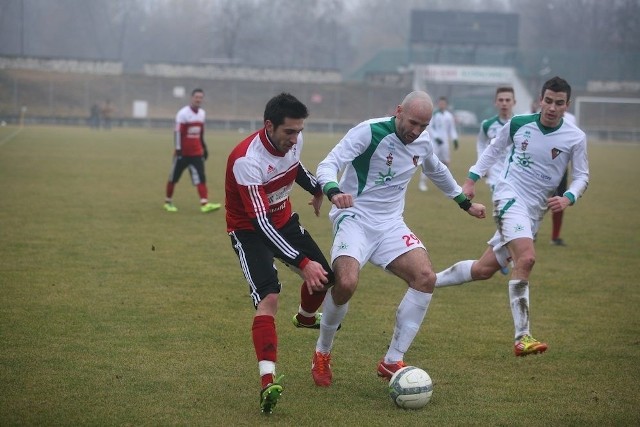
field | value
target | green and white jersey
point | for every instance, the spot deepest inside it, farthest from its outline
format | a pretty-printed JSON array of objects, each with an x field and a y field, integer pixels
[
  {"x": 377, "y": 167},
  {"x": 488, "y": 130},
  {"x": 537, "y": 159}
]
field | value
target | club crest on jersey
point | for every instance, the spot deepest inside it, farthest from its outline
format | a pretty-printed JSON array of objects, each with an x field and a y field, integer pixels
[
  {"x": 555, "y": 153},
  {"x": 390, "y": 159},
  {"x": 524, "y": 145},
  {"x": 415, "y": 160}
]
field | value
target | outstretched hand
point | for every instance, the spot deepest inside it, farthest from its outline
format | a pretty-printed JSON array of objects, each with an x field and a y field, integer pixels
[
  {"x": 478, "y": 210},
  {"x": 316, "y": 202}
]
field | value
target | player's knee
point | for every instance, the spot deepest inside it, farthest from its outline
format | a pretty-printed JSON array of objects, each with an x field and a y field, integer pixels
[
  {"x": 425, "y": 282},
  {"x": 343, "y": 289},
  {"x": 526, "y": 262}
]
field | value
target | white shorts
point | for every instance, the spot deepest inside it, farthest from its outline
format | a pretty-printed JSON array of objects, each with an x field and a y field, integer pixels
[
  {"x": 380, "y": 243},
  {"x": 513, "y": 223},
  {"x": 442, "y": 151}
]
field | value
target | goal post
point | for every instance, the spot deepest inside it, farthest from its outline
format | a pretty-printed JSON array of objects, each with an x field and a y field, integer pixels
[{"x": 609, "y": 118}]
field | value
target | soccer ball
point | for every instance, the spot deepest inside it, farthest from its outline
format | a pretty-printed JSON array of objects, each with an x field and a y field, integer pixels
[{"x": 410, "y": 388}]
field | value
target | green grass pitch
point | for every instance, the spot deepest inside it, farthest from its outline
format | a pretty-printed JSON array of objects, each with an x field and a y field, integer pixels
[{"x": 115, "y": 312}]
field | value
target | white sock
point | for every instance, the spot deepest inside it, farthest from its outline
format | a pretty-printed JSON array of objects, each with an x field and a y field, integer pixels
[
  {"x": 457, "y": 274},
  {"x": 305, "y": 313},
  {"x": 519, "y": 298},
  {"x": 332, "y": 316},
  {"x": 409, "y": 317},
  {"x": 267, "y": 367}
]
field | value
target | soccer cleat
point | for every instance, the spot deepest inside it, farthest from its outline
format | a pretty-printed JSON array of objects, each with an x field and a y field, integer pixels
[
  {"x": 321, "y": 369},
  {"x": 527, "y": 344},
  {"x": 299, "y": 324},
  {"x": 270, "y": 394},
  {"x": 386, "y": 370},
  {"x": 315, "y": 325},
  {"x": 169, "y": 207},
  {"x": 210, "y": 207},
  {"x": 558, "y": 242}
]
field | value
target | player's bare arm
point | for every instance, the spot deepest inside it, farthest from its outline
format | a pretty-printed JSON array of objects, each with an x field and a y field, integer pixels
[{"x": 469, "y": 188}]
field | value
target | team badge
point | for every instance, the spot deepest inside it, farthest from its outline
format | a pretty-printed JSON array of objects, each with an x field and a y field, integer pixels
[
  {"x": 524, "y": 145},
  {"x": 384, "y": 177},
  {"x": 524, "y": 161},
  {"x": 555, "y": 153},
  {"x": 390, "y": 159}
]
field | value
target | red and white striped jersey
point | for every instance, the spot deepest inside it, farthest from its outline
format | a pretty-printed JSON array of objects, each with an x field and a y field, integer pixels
[
  {"x": 189, "y": 131},
  {"x": 258, "y": 182}
]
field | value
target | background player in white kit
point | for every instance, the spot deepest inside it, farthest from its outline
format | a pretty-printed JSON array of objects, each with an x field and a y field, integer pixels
[
  {"x": 541, "y": 147},
  {"x": 378, "y": 159},
  {"x": 442, "y": 129},
  {"x": 504, "y": 102}
]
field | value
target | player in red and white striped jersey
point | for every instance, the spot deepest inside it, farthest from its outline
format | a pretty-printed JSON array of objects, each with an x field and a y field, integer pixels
[
  {"x": 261, "y": 171},
  {"x": 190, "y": 151}
]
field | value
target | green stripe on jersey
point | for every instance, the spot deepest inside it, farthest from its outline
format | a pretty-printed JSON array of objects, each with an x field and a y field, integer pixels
[
  {"x": 361, "y": 163},
  {"x": 486, "y": 124},
  {"x": 518, "y": 121}
]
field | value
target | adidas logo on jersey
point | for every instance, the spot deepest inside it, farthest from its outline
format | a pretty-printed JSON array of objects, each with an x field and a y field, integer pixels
[{"x": 270, "y": 170}]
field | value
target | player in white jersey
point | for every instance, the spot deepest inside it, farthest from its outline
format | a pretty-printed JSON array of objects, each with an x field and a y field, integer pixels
[
  {"x": 377, "y": 159},
  {"x": 541, "y": 146},
  {"x": 442, "y": 129},
  {"x": 504, "y": 103}
]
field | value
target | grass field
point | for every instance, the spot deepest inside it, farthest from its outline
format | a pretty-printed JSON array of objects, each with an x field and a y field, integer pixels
[{"x": 115, "y": 312}]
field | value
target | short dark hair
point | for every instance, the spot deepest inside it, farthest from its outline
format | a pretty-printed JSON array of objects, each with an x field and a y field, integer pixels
[
  {"x": 282, "y": 106},
  {"x": 556, "y": 84},
  {"x": 501, "y": 89},
  {"x": 197, "y": 90}
]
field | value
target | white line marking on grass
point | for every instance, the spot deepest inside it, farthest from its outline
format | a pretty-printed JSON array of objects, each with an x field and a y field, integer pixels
[{"x": 9, "y": 137}]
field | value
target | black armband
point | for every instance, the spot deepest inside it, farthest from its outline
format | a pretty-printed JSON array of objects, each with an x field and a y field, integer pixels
[
  {"x": 465, "y": 204},
  {"x": 332, "y": 192}
]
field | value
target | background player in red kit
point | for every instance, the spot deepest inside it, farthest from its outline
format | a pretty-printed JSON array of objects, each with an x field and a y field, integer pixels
[
  {"x": 190, "y": 151},
  {"x": 261, "y": 171}
]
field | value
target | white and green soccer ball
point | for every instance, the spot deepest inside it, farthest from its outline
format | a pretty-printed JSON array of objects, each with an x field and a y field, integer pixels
[{"x": 410, "y": 388}]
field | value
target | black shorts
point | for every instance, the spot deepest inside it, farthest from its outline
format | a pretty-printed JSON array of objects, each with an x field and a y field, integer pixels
[
  {"x": 196, "y": 169},
  {"x": 257, "y": 257}
]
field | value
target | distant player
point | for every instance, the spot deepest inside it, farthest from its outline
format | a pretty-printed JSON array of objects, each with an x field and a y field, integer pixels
[
  {"x": 540, "y": 147},
  {"x": 442, "y": 130},
  {"x": 190, "y": 151},
  {"x": 504, "y": 102}
]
